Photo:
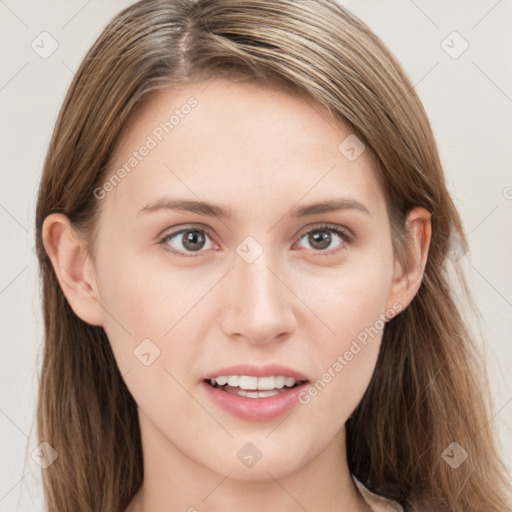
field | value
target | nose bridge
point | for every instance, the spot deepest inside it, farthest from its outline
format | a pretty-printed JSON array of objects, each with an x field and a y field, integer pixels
[{"x": 260, "y": 303}]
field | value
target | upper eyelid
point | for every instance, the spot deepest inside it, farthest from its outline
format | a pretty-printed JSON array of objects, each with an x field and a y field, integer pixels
[
  {"x": 176, "y": 231},
  {"x": 327, "y": 226}
]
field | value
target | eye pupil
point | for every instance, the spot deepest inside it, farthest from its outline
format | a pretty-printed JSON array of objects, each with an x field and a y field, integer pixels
[
  {"x": 193, "y": 240},
  {"x": 320, "y": 237}
]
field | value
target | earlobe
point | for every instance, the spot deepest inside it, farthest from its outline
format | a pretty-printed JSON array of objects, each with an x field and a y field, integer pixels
[
  {"x": 73, "y": 267},
  {"x": 407, "y": 279}
]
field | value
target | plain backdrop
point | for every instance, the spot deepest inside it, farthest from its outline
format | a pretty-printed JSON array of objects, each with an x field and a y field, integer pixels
[{"x": 457, "y": 54}]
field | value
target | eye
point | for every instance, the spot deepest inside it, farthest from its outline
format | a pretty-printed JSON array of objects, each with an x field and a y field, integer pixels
[
  {"x": 321, "y": 238},
  {"x": 194, "y": 240},
  {"x": 191, "y": 240}
]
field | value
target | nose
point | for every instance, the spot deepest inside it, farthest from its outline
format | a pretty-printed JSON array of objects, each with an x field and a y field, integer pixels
[{"x": 259, "y": 303}]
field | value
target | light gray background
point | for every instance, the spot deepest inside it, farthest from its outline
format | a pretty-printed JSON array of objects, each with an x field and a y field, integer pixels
[{"x": 468, "y": 100}]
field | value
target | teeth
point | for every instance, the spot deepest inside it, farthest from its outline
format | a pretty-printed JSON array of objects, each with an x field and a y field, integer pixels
[
  {"x": 233, "y": 381},
  {"x": 279, "y": 381},
  {"x": 253, "y": 394},
  {"x": 266, "y": 383},
  {"x": 254, "y": 383},
  {"x": 245, "y": 382},
  {"x": 289, "y": 382}
]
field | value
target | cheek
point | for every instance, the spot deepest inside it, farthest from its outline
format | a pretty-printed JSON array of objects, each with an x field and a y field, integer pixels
[
  {"x": 151, "y": 313},
  {"x": 146, "y": 324},
  {"x": 353, "y": 307},
  {"x": 141, "y": 292},
  {"x": 140, "y": 302},
  {"x": 350, "y": 298},
  {"x": 345, "y": 363}
]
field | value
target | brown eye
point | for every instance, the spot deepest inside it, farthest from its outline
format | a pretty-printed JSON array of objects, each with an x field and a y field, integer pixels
[
  {"x": 187, "y": 240},
  {"x": 323, "y": 238},
  {"x": 320, "y": 239}
]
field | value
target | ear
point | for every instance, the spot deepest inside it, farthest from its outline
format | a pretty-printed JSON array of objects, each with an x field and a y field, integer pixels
[
  {"x": 73, "y": 267},
  {"x": 406, "y": 281}
]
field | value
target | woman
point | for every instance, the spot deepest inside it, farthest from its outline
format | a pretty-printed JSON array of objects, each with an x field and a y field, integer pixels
[{"x": 243, "y": 228}]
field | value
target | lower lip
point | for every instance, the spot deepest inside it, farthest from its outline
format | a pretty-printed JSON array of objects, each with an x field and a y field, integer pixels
[{"x": 255, "y": 409}]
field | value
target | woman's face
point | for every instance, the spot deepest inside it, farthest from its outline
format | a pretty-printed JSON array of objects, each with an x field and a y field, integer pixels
[{"x": 245, "y": 273}]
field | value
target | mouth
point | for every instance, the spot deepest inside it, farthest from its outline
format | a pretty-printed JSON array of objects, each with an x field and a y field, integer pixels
[
  {"x": 266, "y": 394},
  {"x": 254, "y": 387}
]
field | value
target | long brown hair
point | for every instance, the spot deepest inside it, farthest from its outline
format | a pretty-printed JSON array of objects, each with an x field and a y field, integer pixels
[{"x": 429, "y": 388}]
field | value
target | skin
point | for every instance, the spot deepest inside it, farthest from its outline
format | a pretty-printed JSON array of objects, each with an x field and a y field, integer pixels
[{"x": 261, "y": 153}]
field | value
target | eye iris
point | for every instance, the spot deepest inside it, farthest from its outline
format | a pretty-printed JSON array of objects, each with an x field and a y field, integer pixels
[
  {"x": 193, "y": 240},
  {"x": 320, "y": 237}
]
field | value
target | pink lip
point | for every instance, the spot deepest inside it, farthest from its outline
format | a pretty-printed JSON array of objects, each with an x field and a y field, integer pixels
[
  {"x": 254, "y": 409},
  {"x": 256, "y": 371}
]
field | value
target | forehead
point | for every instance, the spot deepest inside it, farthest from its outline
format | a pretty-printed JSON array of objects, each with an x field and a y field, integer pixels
[{"x": 237, "y": 140}]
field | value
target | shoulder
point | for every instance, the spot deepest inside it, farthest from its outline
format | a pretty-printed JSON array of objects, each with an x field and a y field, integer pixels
[{"x": 376, "y": 502}]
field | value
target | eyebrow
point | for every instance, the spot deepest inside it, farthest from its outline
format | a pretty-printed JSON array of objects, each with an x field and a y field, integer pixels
[{"x": 213, "y": 210}]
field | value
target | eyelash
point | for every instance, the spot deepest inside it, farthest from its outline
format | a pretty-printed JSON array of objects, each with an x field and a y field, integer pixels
[{"x": 344, "y": 235}]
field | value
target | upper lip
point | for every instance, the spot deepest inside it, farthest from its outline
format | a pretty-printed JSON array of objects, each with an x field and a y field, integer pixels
[{"x": 268, "y": 370}]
